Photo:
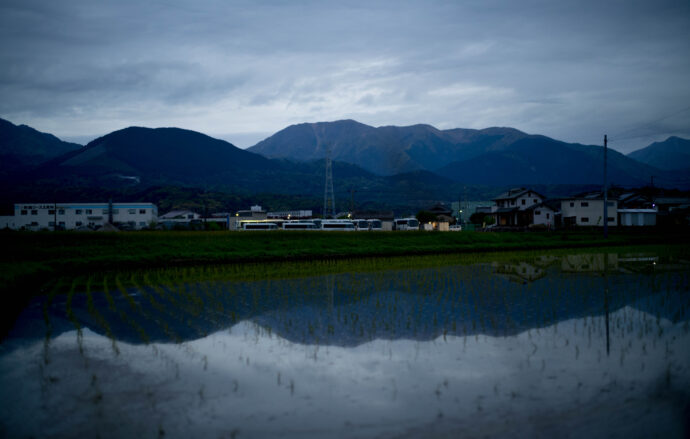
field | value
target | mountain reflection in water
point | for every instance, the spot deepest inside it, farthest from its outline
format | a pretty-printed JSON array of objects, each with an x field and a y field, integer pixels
[{"x": 593, "y": 345}]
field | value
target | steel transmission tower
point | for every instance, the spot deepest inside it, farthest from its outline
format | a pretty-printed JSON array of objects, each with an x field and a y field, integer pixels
[{"x": 328, "y": 197}]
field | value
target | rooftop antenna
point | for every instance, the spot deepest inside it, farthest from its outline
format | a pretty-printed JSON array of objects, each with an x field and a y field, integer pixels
[{"x": 328, "y": 197}]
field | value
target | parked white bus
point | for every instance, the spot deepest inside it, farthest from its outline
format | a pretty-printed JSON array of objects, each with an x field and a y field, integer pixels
[
  {"x": 299, "y": 225},
  {"x": 338, "y": 225},
  {"x": 361, "y": 224},
  {"x": 406, "y": 224},
  {"x": 258, "y": 225},
  {"x": 375, "y": 225}
]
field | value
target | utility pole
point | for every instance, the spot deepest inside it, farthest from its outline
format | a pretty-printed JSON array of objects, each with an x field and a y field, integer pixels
[
  {"x": 328, "y": 196},
  {"x": 606, "y": 198},
  {"x": 352, "y": 199}
]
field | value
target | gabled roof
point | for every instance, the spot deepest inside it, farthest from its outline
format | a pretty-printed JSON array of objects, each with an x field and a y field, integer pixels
[
  {"x": 593, "y": 195},
  {"x": 175, "y": 214},
  {"x": 672, "y": 200},
  {"x": 548, "y": 204},
  {"x": 515, "y": 193},
  {"x": 506, "y": 209},
  {"x": 440, "y": 209}
]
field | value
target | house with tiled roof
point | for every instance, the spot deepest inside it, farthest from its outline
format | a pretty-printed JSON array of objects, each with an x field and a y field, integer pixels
[{"x": 515, "y": 208}]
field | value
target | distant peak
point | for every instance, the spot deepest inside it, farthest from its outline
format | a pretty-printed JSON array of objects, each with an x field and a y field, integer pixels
[{"x": 341, "y": 122}]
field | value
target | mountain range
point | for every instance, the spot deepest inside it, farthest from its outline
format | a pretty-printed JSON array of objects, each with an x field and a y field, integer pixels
[
  {"x": 22, "y": 147},
  {"x": 385, "y": 166},
  {"x": 671, "y": 154},
  {"x": 494, "y": 156}
]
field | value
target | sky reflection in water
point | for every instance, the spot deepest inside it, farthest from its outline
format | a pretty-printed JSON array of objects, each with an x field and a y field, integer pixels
[{"x": 502, "y": 349}]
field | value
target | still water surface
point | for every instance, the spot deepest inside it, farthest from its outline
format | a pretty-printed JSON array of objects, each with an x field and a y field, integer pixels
[{"x": 583, "y": 345}]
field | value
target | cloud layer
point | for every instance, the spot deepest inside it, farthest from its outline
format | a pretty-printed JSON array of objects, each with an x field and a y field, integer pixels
[{"x": 244, "y": 69}]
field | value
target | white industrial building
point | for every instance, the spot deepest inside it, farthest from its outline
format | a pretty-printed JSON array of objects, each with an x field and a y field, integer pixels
[
  {"x": 637, "y": 217},
  {"x": 588, "y": 210},
  {"x": 70, "y": 216}
]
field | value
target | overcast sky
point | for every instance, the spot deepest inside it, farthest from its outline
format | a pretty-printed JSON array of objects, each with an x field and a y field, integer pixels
[{"x": 242, "y": 70}]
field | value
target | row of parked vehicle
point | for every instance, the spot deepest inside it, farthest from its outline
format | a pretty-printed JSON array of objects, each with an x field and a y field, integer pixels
[{"x": 327, "y": 224}]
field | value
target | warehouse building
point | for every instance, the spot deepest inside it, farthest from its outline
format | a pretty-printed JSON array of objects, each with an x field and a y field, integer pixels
[{"x": 71, "y": 216}]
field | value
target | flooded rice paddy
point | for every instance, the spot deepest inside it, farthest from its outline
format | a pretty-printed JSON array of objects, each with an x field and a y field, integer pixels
[{"x": 552, "y": 345}]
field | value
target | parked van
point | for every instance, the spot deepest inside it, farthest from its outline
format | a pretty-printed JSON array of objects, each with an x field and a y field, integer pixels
[{"x": 406, "y": 224}]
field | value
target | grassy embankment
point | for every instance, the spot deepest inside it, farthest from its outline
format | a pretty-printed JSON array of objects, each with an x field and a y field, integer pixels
[{"x": 39, "y": 256}]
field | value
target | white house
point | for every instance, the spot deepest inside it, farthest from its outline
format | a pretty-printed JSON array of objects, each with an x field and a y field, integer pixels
[
  {"x": 69, "y": 216},
  {"x": 588, "y": 210},
  {"x": 513, "y": 208},
  {"x": 543, "y": 215}
]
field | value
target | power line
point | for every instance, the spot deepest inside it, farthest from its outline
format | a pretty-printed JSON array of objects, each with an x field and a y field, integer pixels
[{"x": 621, "y": 135}]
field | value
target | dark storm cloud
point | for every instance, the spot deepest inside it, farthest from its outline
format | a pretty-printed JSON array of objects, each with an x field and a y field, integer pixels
[{"x": 571, "y": 70}]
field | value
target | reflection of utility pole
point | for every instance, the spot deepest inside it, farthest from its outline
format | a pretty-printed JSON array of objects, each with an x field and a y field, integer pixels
[
  {"x": 331, "y": 289},
  {"x": 205, "y": 209},
  {"x": 606, "y": 302}
]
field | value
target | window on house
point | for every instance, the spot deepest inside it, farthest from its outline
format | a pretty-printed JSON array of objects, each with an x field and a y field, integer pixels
[
  {"x": 78, "y": 211},
  {"x": 51, "y": 223},
  {"x": 512, "y": 203},
  {"x": 34, "y": 223},
  {"x": 537, "y": 212},
  {"x": 523, "y": 201},
  {"x": 142, "y": 211},
  {"x": 536, "y": 201},
  {"x": 584, "y": 204},
  {"x": 61, "y": 211},
  {"x": 89, "y": 211},
  {"x": 78, "y": 223},
  {"x": 572, "y": 204},
  {"x": 23, "y": 212},
  {"x": 548, "y": 215},
  {"x": 584, "y": 219},
  {"x": 51, "y": 211},
  {"x": 34, "y": 212},
  {"x": 61, "y": 223},
  {"x": 611, "y": 219}
]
